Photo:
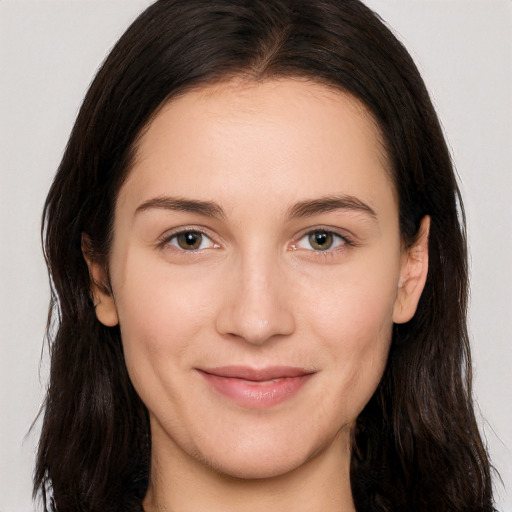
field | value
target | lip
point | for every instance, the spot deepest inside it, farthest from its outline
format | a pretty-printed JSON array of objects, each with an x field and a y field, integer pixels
[{"x": 256, "y": 388}]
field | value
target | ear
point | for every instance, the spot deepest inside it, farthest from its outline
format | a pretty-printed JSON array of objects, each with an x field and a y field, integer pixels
[
  {"x": 413, "y": 275},
  {"x": 101, "y": 293}
]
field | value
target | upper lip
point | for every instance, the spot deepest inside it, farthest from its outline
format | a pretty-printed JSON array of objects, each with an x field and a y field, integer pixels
[{"x": 257, "y": 374}]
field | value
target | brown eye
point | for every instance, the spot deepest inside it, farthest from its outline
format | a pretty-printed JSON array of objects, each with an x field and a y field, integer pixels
[
  {"x": 321, "y": 240},
  {"x": 189, "y": 241}
]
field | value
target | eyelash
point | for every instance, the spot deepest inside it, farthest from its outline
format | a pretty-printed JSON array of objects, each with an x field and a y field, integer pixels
[
  {"x": 167, "y": 239},
  {"x": 342, "y": 240}
]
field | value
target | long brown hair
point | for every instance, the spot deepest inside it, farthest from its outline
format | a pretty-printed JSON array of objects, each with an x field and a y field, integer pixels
[{"x": 416, "y": 445}]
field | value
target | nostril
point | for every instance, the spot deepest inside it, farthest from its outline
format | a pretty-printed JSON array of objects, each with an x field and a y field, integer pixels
[{"x": 255, "y": 326}]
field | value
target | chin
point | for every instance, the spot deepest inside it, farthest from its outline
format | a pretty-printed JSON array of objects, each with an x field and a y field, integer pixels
[
  {"x": 263, "y": 460},
  {"x": 257, "y": 468}
]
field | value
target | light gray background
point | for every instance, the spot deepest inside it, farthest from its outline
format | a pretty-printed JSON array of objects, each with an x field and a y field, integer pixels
[{"x": 49, "y": 51}]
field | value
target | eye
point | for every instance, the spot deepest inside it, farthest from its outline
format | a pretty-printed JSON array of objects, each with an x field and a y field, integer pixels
[
  {"x": 321, "y": 240},
  {"x": 191, "y": 241}
]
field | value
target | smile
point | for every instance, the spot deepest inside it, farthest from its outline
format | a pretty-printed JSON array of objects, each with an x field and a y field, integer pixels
[{"x": 256, "y": 389}]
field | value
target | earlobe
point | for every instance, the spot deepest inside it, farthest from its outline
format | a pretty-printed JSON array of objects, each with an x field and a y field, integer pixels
[
  {"x": 413, "y": 275},
  {"x": 101, "y": 294}
]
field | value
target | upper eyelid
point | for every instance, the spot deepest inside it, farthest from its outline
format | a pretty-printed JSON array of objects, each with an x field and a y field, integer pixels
[
  {"x": 166, "y": 235},
  {"x": 342, "y": 233},
  {"x": 164, "y": 242},
  {"x": 344, "y": 240},
  {"x": 214, "y": 237},
  {"x": 165, "y": 238}
]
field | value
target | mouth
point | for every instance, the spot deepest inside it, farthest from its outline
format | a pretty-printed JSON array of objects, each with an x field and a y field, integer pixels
[{"x": 256, "y": 388}]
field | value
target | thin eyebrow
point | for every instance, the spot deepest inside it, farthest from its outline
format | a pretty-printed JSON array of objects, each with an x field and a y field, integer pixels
[
  {"x": 327, "y": 204},
  {"x": 206, "y": 208}
]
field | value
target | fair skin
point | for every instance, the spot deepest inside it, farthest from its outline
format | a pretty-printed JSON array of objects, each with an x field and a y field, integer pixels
[{"x": 257, "y": 268}]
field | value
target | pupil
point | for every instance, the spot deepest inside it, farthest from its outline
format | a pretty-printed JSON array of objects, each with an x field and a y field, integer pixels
[
  {"x": 320, "y": 240},
  {"x": 190, "y": 238}
]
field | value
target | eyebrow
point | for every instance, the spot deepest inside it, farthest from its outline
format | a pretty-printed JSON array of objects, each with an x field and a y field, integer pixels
[
  {"x": 302, "y": 209},
  {"x": 327, "y": 204},
  {"x": 206, "y": 208}
]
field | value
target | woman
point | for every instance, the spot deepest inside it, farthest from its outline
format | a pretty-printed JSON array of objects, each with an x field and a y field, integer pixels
[{"x": 260, "y": 274}]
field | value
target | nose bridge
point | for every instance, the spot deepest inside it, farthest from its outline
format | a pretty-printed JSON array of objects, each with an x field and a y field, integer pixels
[{"x": 257, "y": 308}]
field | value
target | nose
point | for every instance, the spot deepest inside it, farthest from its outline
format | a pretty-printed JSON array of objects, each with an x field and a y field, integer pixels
[{"x": 256, "y": 306}]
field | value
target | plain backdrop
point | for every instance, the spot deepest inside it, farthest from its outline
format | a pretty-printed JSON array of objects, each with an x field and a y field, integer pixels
[{"x": 49, "y": 52}]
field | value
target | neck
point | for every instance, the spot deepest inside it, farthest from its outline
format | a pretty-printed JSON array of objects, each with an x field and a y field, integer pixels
[{"x": 182, "y": 483}]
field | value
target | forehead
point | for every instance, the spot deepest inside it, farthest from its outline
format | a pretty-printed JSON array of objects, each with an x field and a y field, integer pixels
[{"x": 288, "y": 138}]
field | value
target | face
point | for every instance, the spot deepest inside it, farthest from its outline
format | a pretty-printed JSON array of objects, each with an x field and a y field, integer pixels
[{"x": 257, "y": 269}]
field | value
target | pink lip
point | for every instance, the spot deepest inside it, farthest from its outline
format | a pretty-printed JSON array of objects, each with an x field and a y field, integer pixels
[{"x": 256, "y": 388}]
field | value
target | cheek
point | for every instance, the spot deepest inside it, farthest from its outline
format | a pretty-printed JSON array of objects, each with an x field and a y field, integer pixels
[
  {"x": 355, "y": 303},
  {"x": 353, "y": 320},
  {"x": 161, "y": 310}
]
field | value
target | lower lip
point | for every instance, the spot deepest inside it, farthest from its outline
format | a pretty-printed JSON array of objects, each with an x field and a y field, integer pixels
[{"x": 256, "y": 395}]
